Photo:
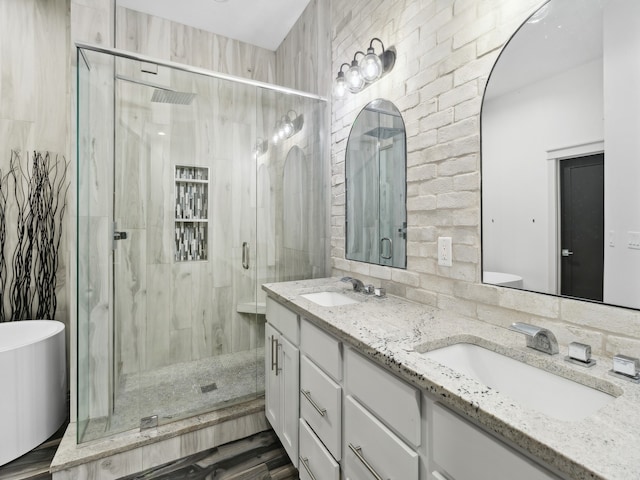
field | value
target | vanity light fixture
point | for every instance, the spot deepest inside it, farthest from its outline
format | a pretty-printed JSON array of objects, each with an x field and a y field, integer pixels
[
  {"x": 355, "y": 80},
  {"x": 260, "y": 147},
  {"x": 340, "y": 84},
  {"x": 370, "y": 68},
  {"x": 287, "y": 126}
]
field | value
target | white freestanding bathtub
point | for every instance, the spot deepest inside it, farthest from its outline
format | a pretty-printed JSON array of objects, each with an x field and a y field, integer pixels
[{"x": 33, "y": 385}]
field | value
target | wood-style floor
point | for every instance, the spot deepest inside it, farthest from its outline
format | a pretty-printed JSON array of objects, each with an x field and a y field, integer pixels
[
  {"x": 260, "y": 457},
  {"x": 35, "y": 464}
]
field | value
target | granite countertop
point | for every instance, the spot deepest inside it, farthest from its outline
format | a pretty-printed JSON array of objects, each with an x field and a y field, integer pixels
[{"x": 394, "y": 332}]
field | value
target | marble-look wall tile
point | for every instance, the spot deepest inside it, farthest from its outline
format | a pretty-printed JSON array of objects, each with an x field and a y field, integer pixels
[
  {"x": 130, "y": 302},
  {"x": 204, "y": 322},
  {"x": 138, "y": 32},
  {"x": 183, "y": 40},
  {"x": 92, "y": 21},
  {"x": 131, "y": 179},
  {"x": 51, "y": 62},
  {"x": 142, "y": 33},
  {"x": 161, "y": 191},
  {"x": 18, "y": 60},
  {"x": 158, "y": 316}
]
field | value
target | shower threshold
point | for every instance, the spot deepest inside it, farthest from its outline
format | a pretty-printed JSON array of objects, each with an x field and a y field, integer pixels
[
  {"x": 133, "y": 451},
  {"x": 182, "y": 390}
]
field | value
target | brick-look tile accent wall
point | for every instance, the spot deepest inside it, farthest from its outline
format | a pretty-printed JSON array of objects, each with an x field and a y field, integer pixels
[{"x": 446, "y": 49}]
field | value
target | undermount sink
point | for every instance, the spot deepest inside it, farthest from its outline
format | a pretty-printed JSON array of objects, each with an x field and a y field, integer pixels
[
  {"x": 329, "y": 299},
  {"x": 531, "y": 387}
]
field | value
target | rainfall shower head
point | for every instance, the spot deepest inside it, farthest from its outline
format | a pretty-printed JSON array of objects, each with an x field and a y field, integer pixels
[
  {"x": 163, "y": 94},
  {"x": 382, "y": 133}
]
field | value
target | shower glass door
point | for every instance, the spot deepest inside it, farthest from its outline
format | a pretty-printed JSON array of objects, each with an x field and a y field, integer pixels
[
  {"x": 167, "y": 259},
  {"x": 189, "y": 199},
  {"x": 184, "y": 258}
]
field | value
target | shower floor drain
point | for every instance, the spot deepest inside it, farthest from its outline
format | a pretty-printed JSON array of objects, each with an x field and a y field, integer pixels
[{"x": 208, "y": 388}]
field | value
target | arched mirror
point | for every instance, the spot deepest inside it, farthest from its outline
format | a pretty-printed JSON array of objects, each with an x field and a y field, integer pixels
[
  {"x": 375, "y": 171},
  {"x": 561, "y": 154}
]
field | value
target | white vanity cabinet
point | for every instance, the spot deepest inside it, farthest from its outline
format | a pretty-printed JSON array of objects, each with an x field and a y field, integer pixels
[
  {"x": 316, "y": 463},
  {"x": 382, "y": 423},
  {"x": 340, "y": 415},
  {"x": 320, "y": 398},
  {"x": 282, "y": 375},
  {"x": 459, "y": 450}
]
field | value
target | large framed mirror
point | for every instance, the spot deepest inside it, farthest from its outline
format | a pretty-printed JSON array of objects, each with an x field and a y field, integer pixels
[
  {"x": 560, "y": 128},
  {"x": 376, "y": 186}
]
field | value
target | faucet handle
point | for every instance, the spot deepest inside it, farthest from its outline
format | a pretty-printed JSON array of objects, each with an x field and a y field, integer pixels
[
  {"x": 580, "y": 354},
  {"x": 626, "y": 367},
  {"x": 369, "y": 289}
]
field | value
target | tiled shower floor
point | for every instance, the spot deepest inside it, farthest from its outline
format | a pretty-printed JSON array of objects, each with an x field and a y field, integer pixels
[{"x": 182, "y": 390}]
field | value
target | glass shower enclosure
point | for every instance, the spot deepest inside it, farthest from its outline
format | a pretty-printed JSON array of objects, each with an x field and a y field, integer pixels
[{"x": 194, "y": 188}]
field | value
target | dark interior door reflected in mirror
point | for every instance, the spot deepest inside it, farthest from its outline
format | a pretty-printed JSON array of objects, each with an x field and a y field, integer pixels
[
  {"x": 375, "y": 171},
  {"x": 560, "y": 169}
]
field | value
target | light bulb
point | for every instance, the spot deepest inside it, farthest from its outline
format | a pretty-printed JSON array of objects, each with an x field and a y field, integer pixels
[
  {"x": 340, "y": 86},
  {"x": 370, "y": 66},
  {"x": 355, "y": 82},
  {"x": 287, "y": 126}
]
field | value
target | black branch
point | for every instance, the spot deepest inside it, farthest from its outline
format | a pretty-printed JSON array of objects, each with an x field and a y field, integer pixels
[
  {"x": 40, "y": 196},
  {"x": 4, "y": 186}
]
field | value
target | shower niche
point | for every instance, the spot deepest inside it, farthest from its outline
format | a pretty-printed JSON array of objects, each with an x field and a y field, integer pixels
[{"x": 192, "y": 213}]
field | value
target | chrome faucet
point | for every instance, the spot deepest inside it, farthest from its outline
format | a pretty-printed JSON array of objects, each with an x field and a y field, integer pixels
[
  {"x": 358, "y": 286},
  {"x": 538, "y": 338}
]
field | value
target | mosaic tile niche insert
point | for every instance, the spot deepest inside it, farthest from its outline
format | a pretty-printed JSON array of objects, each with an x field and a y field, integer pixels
[{"x": 192, "y": 213}]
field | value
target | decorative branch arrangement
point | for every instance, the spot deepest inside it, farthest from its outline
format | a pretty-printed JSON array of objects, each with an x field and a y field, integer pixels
[
  {"x": 4, "y": 186},
  {"x": 39, "y": 190}
]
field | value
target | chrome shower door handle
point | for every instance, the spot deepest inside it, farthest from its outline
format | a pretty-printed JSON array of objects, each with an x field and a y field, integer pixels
[
  {"x": 382, "y": 242},
  {"x": 245, "y": 255}
]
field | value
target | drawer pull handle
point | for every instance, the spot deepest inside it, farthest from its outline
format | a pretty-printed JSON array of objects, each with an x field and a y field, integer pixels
[
  {"x": 307, "y": 395},
  {"x": 358, "y": 453},
  {"x": 305, "y": 464},
  {"x": 439, "y": 476}
]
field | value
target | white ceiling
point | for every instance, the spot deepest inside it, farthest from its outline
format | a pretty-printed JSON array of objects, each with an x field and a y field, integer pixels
[{"x": 264, "y": 23}]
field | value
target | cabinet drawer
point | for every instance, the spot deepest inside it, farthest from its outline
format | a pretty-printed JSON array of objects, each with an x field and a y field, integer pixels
[
  {"x": 284, "y": 320},
  {"x": 368, "y": 440},
  {"x": 391, "y": 399},
  {"x": 315, "y": 461},
  {"x": 462, "y": 451},
  {"x": 322, "y": 348},
  {"x": 320, "y": 405}
]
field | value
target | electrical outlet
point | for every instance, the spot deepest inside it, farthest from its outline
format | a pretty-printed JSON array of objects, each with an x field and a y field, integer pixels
[
  {"x": 444, "y": 251},
  {"x": 634, "y": 240}
]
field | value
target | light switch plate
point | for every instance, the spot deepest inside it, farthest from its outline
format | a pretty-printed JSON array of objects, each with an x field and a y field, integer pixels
[{"x": 444, "y": 251}]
